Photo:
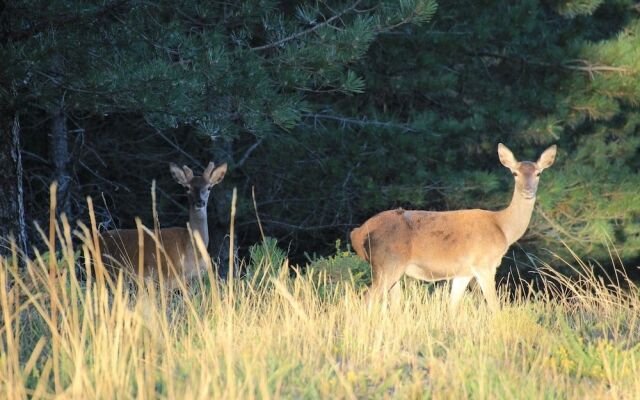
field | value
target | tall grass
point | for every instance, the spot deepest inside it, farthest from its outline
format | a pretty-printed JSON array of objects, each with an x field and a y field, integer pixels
[{"x": 304, "y": 336}]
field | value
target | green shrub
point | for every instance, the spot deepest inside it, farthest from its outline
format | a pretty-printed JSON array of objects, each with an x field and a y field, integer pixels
[
  {"x": 344, "y": 266},
  {"x": 266, "y": 260}
]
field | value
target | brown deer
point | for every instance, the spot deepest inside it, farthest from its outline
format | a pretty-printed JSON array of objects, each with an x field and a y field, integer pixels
[
  {"x": 179, "y": 256},
  {"x": 457, "y": 245}
]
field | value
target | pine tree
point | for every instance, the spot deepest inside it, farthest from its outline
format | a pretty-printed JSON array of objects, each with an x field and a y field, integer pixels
[
  {"x": 439, "y": 97},
  {"x": 223, "y": 69},
  {"x": 529, "y": 74},
  {"x": 336, "y": 110},
  {"x": 12, "y": 223}
]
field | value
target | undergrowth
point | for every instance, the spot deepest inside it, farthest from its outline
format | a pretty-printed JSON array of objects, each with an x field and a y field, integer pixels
[{"x": 291, "y": 332}]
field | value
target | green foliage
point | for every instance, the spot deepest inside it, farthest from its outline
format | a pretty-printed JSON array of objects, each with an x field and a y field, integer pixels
[
  {"x": 194, "y": 63},
  {"x": 582, "y": 356},
  {"x": 343, "y": 267},
  {"x": 573, "y": 8},
  {"x": 266, "y": 261},
  {"x": 353, "y": 83}
]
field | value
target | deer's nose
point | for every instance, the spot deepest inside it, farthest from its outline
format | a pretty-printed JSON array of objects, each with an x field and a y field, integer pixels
[
  {"x": 200, "y": 204},
  {"x": 529, "y": 192}
]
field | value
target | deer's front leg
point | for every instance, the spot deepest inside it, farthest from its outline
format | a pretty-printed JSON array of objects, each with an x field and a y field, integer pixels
[{"x": 487, "y": 281}]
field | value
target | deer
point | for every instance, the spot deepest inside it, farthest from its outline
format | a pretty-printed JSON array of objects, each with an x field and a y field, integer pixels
[
  {"x": 180, "y": 257},
  {"x": 450, "y": 245}
]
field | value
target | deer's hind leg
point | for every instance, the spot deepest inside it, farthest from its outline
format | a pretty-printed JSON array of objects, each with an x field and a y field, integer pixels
[
  {"x": 458, "y": 286},
  {"x": 389, "y": 257},
  {"x": 385, "y": 280}
]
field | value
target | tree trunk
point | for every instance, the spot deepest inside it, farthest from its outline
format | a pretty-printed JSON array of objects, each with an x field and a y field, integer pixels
[
  {"x": 221, "y": 197},
  {"x": 11, "y": 199},
  {"x": 60, "y": 159}
]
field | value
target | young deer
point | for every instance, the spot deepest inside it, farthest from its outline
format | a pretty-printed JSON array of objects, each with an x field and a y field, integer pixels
[
  {"x": 121, "y": 247},
  {"x": 457, "y": 245}
]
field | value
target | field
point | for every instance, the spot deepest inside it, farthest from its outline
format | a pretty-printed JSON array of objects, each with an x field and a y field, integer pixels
[{"x": 278, "y": 333}]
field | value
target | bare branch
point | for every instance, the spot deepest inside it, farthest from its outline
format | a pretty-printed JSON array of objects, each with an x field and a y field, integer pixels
[
  {"x": 305, "y": 228},
  {"x": 178, "y": 148},
  {"x": 591, "y": 69},
  {"x": 361, "y": 122},
  {"x": 247, "y": 153},
  {"x": 575, "y": 65}
]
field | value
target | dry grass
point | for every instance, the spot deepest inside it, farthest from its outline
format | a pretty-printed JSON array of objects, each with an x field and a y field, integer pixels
[{"x": 307, "y": 336}]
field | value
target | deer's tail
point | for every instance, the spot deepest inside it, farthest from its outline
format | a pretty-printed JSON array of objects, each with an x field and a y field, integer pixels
[{"x": 359, "y": 242}]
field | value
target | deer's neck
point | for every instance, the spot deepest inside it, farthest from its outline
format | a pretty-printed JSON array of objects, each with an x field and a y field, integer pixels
[
  {"x": 514, "y": 219},
  {"x": 198, "y": 223}
]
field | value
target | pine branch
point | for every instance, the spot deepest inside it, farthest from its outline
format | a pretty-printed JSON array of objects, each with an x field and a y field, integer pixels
[
  {"x": 360, "y": 122},
  {"x": 60, "y": 21},
  {"x": 557, "y": 226},
  {"x": 295, "y": 36}
]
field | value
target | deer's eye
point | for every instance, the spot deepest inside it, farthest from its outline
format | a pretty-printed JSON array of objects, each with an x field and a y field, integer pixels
[
  {"x": 514, "y": 173},
  {"x": 537, "y": 173}
]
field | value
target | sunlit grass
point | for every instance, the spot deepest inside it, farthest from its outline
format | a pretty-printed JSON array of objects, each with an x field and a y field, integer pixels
[{"x": 283, "y": 334}]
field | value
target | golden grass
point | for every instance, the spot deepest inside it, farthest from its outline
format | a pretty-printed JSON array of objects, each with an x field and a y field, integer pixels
[{"x": 307, "y": 336}]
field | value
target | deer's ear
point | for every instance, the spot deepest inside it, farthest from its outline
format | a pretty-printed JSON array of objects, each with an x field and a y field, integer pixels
[
  {"x": 188, "y": 173},
  {"x": 506, "y": 157},
  {"x": 547, "y": 157},
  {"x": 216, "y": 175},
  {"x": 179, "y": 175},
  {"x": 207, "y": 171}
]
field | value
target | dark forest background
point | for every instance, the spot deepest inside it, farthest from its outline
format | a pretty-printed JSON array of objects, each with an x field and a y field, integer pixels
[{"x": 330, "y": 110}]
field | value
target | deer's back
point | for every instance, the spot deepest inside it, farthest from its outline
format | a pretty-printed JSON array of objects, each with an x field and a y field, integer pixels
[{"x": 120, "y": 249}]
